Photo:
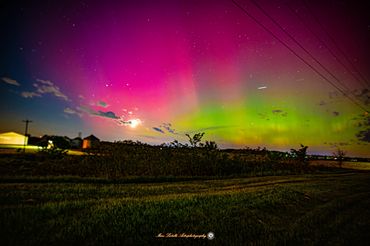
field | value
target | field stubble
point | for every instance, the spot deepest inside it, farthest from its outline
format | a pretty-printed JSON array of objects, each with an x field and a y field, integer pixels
[{"x": 311, "y": 209}]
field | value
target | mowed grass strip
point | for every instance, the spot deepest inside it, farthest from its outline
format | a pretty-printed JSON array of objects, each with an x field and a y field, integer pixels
[{"x": 293, "y": 210}]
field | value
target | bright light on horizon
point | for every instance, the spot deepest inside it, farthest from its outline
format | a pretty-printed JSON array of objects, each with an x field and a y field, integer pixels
[{"x": 135, "y": 122}]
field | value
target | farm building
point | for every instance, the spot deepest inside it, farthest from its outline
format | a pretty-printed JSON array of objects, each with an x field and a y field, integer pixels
[
  {"x": 90, "y": 142},
  {"x": 13, "y": 138},
  {"x": 76, "y": 143}
]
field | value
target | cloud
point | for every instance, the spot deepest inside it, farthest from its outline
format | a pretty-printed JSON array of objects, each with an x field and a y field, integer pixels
[
  {"x": 133, "y": 122},
  {"x": 86, "y": 110},
  {"x": 363, "y": 96},
  {"x": 102, "y": 104},
  {"x": 43, "y": 87},
  {"x": 165, "y": 127},
  {"x": 277, "y": 111},
  {"x": 364, "y": 135},
  {"x": 10, "y": 81},
  {"x": 108, "y": 114},
  {"x": 45, "y": 82},
  {"x": 104, "y": 114},
  {"x": 343, "y": 143},
  {"x": 99, "y": 104},
  {"x": 72, "y": 111},
  {"x": 29, "y": 94},
  {"x": 168, "y": 127},
  {"x": 336, "y": 144},
  {"x": 69, "y": 111},
  {"x": 122, "y": 122},
  {"x": 336, "y": 113},
  {"x": 48, "y": 87},
  {"x": 158, "y": 130}
]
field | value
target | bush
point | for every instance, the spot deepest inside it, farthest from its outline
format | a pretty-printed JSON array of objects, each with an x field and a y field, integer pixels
[
  {"x": 127, "y": 158},
  {"x": 53, "y": 152}
]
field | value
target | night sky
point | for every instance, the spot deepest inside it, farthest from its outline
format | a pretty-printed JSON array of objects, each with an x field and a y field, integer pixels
[{"x": 155, "y": 70}]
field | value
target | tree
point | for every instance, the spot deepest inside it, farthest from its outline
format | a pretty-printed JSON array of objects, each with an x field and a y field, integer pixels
[
  {"x": 61, "y": 142},
  {"x": 339, "y": 154},
  {"x": 300, "y": 154},
  {"x": 195, "y": 140}
]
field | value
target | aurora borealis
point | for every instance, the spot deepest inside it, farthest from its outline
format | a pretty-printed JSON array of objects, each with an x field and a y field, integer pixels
[{"x": 175, "y": 67}]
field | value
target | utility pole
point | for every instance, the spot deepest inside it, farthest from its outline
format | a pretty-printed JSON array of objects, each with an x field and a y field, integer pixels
[{"x": 25, "y": 134}]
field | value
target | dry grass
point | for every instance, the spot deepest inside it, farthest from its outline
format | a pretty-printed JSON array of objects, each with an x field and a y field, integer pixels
[
  {"x": 345, "y": 164},
  {"x": 295, "y": 210}
]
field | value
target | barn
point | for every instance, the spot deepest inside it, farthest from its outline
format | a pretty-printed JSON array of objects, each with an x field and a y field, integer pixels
[
  {"x": 90, "y": 142},
  {"x": 13, "y": 138}
]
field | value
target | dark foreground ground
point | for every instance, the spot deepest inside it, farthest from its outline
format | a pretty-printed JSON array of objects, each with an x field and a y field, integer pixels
[{"x": 310, "y": 209}]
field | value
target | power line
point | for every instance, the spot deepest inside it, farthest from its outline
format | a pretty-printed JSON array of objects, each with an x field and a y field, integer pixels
[
  {"x": 301, "y": 46},
  {"x": 297, "y": 55},
  {"x": 335, "y": 43},
  {"x": 327, "y": 47}
]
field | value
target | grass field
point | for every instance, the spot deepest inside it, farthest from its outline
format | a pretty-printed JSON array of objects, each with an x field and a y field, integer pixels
[
  {"x": 310, "y": 209},
  {"x": 346, "y": 164}
]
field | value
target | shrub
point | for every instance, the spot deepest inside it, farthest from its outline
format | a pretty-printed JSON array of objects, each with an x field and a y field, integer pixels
[{"x": 339, "y": 154}]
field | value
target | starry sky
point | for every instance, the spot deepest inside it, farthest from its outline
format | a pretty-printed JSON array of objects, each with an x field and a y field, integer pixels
[{"x": 263, "y": 73}]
